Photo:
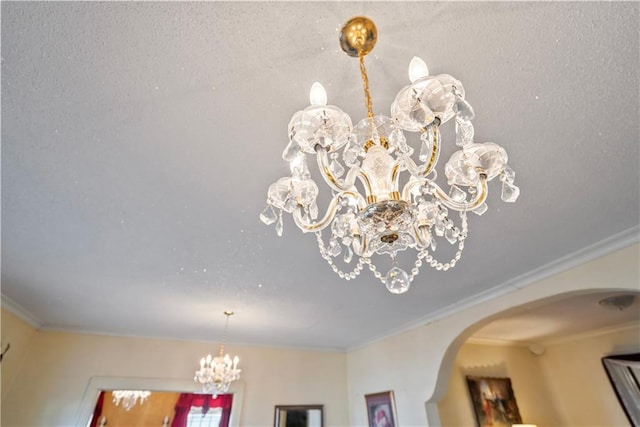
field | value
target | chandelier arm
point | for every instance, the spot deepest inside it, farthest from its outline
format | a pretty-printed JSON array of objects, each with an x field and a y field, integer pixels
[
  {"x": 419, "y": 241},
  {"x": 435, "y": 153},
  {"x": 308, "y": 227},
  {"x": 395, "y": 173},
  {"x": 430, "y": 164},
  {"x": 420, "y": 174},
  {"x": 329, "y": 178},
  {"x": 409, "y": 186},
  {"x": 418, "y": 235},
  {"x": 364, "y": 245},
  {"x": 481, "y": 194},
  {"x": 364, "y": 179}
]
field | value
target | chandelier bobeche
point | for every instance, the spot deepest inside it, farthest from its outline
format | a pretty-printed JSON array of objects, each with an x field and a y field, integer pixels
[
  {"x": 369, "y": 213},
  {"x": 217, "y": 373}
]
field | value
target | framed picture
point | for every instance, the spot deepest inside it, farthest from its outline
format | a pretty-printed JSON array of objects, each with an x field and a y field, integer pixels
[
  {"x": 494, "y": 402},
  {"x": 624, "y": 374},
  {"x": 299, "y": 416},
  {"x": 381, "y": 409}
]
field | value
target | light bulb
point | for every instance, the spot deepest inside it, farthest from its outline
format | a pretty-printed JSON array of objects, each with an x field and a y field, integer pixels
[
  {"x": 317, "y": 95},
  {"x": 417, "y": 69}
]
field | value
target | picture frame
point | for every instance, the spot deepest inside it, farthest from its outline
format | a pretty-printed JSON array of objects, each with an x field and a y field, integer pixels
[
  {"x": 381, "y": 409},
  {"x": 299, "y": 416},
  {"x": 623, "y": 372},
  {"x": 494, "y": 402}
]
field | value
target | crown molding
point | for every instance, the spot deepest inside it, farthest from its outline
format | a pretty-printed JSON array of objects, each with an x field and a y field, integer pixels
[
  {"x": 19, "y": 311},
  {"x": 498, "y": 342},
  {"x": 604, "y": 247},
  {"x": 86, "y": 331},
  {"x": 591, "y": 334}
]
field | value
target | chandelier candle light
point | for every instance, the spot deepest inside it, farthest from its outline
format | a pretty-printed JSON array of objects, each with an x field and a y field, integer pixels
[
  {"x": 369, "y": 213},
  {"x": 129, "y": 398},
  {"x": 217, "y": 373}
]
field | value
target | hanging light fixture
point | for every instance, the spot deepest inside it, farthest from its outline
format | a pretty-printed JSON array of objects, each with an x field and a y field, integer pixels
[
  {"x": 129, "y": 398},
  {"x": 369, "y": 213},
  {"x": 217, "y": 373}
]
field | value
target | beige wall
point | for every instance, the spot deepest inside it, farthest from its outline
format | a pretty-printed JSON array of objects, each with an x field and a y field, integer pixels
[
  {"x": 61, "y": 365},
  {"x": 566, "y": 386},
  {"x": 19, "y": 335},
  {"x": 517, "y": 363},
  {"x": 416, "y": 364},
  {"x": 577, "y": 381}
]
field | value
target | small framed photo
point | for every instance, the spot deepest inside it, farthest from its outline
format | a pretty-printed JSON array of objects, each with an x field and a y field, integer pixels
[{"x": 381, "y": 409}]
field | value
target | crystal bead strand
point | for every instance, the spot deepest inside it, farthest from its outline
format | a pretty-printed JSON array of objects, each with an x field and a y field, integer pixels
[
  {"x": 375, "y": 271},
  {"x": 446, "y": 266},
  {"x": 415, "y": 270},
  {"x": 342, "y": 274},
  {"x": 424, "y": 254}
]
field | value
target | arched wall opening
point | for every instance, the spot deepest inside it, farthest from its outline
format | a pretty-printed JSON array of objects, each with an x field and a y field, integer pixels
[
  {"x": 445, "y": 370},
  {"x": 421, "y": 357}
]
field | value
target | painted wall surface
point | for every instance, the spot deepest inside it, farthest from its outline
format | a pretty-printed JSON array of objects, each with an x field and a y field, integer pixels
[
  {"x": 19, "y": 334},
  {"x": 577, "y": 380},
  {"x": 535, "y": 404},
  {"x": 63, "y": 363},
  {"x": 416, "y": 364}
]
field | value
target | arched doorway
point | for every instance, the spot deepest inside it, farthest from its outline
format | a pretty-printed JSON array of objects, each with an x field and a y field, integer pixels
[{"x": 510, "y": 345}]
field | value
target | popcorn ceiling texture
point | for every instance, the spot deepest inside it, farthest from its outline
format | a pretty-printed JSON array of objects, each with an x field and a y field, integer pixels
[{"x": 138, "y": 140}]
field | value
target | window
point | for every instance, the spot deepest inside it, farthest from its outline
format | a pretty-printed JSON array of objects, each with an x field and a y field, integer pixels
[{"x": 195, "y": 417}]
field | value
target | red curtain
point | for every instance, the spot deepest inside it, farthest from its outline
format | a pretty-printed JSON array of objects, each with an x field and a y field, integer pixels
[
  {"x": 98, "y": 410},
  {"x": 187, "y": 400}
]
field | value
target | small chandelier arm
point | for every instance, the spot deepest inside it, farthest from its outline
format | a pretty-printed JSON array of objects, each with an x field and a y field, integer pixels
[{"x": 363, "y": 165}]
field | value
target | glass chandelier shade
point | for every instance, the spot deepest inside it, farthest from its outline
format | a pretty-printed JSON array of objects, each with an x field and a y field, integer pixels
[
  {"x": 129, "y": 398},
  {"x": 370, "y": 213},
  {"x": 217, "y": 373}
]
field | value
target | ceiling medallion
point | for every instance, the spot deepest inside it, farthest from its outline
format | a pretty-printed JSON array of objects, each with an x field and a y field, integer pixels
[
  {"x": 217, "y": 373},
  {"x": 618, "y": 302},
  {"x": 369, "y": 213}
]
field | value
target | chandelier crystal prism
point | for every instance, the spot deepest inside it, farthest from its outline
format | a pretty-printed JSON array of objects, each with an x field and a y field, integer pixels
[
  {"x": 217, "y": 373},
  {"x": 364, "y": 166}
]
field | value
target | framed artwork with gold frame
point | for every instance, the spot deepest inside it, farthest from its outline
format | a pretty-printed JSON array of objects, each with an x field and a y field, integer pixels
[{"x": 494, "y": 402}]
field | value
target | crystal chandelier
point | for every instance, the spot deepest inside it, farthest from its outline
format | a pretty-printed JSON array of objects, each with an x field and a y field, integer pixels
[
  {"x": 366, "y": 164},
  {"x": 129, "y": 398},
  {"x": 217, "y": 373}
]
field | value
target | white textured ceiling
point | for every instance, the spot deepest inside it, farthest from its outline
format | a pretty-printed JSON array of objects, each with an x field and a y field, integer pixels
[{"x": 139, "y": 139}]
